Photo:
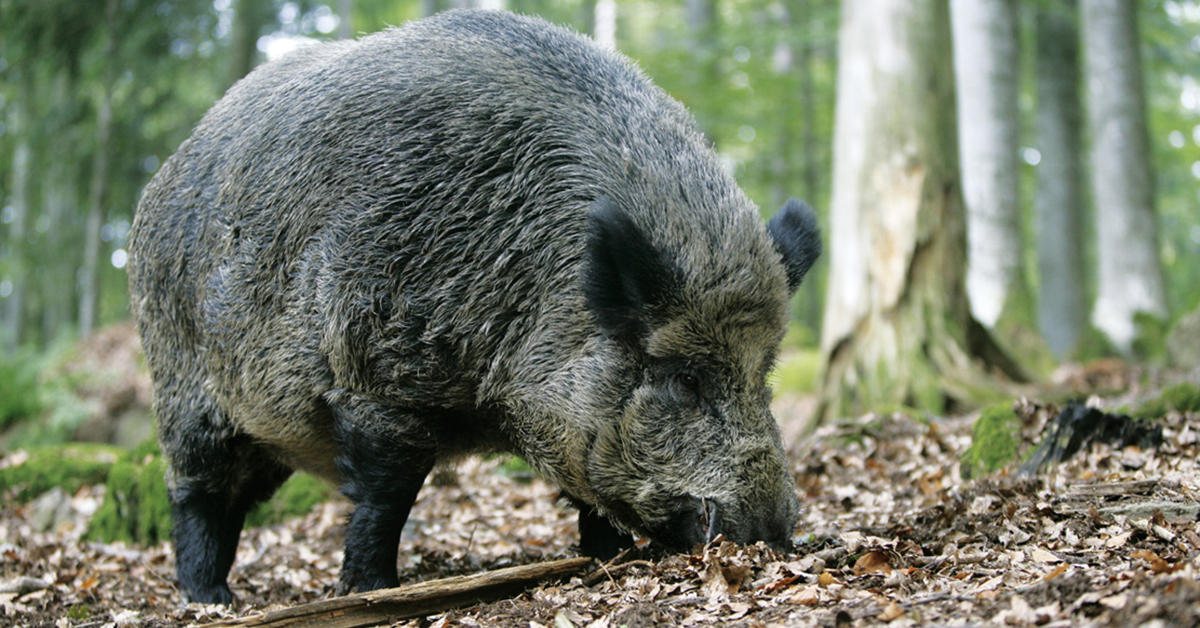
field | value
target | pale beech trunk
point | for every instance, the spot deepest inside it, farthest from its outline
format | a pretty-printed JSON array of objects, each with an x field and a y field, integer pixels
[
  {"x": 1129, "y": 271},
  {"x": 985, "y": 65},
  {"x": 898, "y": 328},
  {"x": 604, "y": 23},
  {"x": 1058, "y": 202}
]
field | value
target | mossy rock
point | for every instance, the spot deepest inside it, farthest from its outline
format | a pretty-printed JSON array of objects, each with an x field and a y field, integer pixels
[
  {"x": 68, "y": 466},
  {"x": 295, "y": 498},
  {"x": 1182, "y": 397},
  {"x": 136, "y": 508},
  {"x": 995, "y": 441}
]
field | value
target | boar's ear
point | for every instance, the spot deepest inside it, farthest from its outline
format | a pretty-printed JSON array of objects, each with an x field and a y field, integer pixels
[
  {"x": 797, "y": 237},
  {"x": 626, "y": 280}
]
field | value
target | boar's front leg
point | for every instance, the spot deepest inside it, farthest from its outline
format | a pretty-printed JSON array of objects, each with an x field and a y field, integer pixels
[
  {"x": 598, "y": 537},
  {"x": 384, "y": 454},
  {"x": 215, "y": 479}
]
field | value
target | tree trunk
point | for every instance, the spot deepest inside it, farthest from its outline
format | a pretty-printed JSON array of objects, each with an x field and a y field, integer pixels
[
  {"x": 60, "y": 213},
  {"x": 798, "y": 60},
  {"x": 702, "y": 29},
  {"x": 249, "y": 18},
  {"x": 20, "y": 125},
  {"x": 604, "y": 23},
  {"x": 1058, "y": 202},
  {"x": 985, "y": 64},
  {"x": 98, "y": 193},
  {"x": 1129, "y": 271},
  {"x": 898, "y": 327},
  {"x": 345, "y": 19}
]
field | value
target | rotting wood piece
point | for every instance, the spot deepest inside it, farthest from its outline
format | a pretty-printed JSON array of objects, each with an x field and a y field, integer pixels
[
  {"x": 1111, "y": 489},
  {"x": 413, "y": 600}
]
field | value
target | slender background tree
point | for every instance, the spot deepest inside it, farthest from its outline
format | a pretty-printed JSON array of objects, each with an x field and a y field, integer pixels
[
  {"x": 1059, "y": 200},
  {"x": 1129, "y": 277}
]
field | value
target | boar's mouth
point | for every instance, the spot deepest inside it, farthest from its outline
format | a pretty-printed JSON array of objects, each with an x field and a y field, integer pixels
[{"x": 692, "y": 521}]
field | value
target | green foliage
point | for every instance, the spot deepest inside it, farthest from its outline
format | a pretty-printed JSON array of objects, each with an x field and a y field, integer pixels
[
  {"x": 19, "y": 396},
  {"x": 52, "y": 408},
  {"x": 1182, "y": 397},
  {"x": 516, "y": 468},
  {"x": 295, "y": 498},
  {"x": 994, "y": 441},
  {"x": 68, "y": 466},
  {"x": 136, "y": 508},
  {"x": 797, "y": 371}
]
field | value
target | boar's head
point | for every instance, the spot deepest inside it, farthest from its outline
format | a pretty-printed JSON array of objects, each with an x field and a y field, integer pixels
[{"x": 695, "y": 321}]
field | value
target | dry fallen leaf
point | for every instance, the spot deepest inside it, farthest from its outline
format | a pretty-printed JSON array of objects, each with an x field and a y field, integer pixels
[
  {"x": 1157, "y": 564},
  {"x": 891, "y": 612},
  {"x": 806, "y": 596},
  {"x": 873, "y": 563}
]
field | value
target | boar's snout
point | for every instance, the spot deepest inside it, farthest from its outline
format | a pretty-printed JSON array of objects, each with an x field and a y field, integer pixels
[
  {"x": 692, "y": 521},
  {"x": 695, "y": 521}
]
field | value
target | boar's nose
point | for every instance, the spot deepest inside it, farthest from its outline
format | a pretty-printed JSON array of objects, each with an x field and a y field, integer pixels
[{"x": 693, "y": 521}]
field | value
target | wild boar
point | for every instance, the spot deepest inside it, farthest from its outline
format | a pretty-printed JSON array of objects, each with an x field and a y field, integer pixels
[{"x": 475, "y": 233}]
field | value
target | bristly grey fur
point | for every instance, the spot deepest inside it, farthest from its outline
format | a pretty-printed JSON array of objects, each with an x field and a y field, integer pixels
[{"x": 373, "y": 256}]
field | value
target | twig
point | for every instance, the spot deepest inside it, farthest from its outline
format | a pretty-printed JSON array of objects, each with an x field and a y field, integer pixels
[{"x": 414, "y": 600}]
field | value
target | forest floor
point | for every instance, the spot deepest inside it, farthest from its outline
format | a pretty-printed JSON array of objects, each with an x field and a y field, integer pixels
[{"x": 891, "y": 534}]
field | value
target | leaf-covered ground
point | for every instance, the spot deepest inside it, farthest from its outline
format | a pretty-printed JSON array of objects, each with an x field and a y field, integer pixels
[{"x": 891, "y": 534}]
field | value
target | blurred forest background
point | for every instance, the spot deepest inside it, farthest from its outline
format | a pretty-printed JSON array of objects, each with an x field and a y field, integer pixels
[{"x": 96, "y": 94}]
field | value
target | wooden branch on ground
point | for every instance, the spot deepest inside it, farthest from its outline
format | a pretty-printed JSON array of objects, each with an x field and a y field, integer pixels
[{"x": 414, "y": 600}]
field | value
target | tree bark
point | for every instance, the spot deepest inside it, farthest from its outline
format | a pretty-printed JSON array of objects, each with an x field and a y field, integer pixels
[
  {"x": 1129, "y": 270},
  {"x": 1058, "y": 201},
  {"x": 898, "y": 327},
  {"x": 985, "y": 64}
]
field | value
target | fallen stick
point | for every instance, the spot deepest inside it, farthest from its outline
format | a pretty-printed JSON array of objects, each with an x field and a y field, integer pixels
[{"x": 414, "y": 600}]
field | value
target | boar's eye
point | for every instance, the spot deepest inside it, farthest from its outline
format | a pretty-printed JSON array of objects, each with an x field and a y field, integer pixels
[{"x": 688, "y": 386}]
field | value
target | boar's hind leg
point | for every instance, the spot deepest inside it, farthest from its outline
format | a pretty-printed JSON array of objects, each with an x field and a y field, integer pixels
[
  {"x": 384, "y": 454},
  {"x": 598, "y": 537},
  {"x": 216, "y": 480}
]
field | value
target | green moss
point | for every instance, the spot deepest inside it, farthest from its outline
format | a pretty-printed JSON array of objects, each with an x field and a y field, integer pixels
[
  {"x": 1150, "y": 342},
  {"x": 1182, "y": 397},
  {"x": 927, "y": 391},
  {"x": 994, "y": 441},
  {"x": 1092, "y": 345},
  {"x": 69, "y": 466},
  {"x": 136, "y": 508},
  {"x": 1016, "y": 332},
  {"x": 295, "y": 498},
  {"x": 797, "y": 372}
]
